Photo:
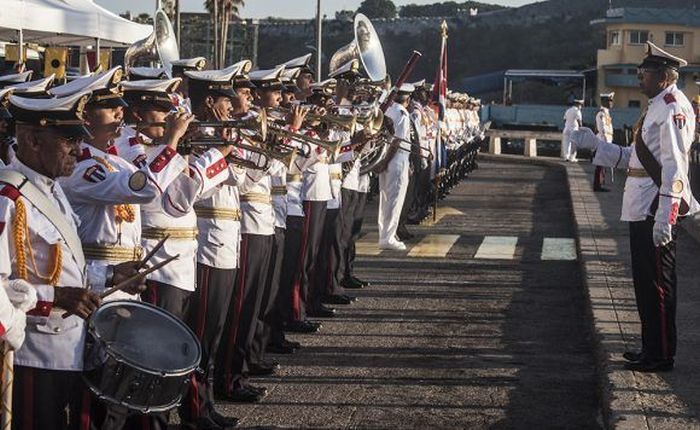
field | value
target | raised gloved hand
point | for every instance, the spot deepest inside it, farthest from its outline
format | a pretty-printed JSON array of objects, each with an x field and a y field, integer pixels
[
  {"x": 584, "y": 138},
  {"x": 662, "y": 233},
  {"x": 22, "y": 294}
]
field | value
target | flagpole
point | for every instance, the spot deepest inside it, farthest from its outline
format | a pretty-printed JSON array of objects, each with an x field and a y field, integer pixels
[{"x": 439, "y": 90}]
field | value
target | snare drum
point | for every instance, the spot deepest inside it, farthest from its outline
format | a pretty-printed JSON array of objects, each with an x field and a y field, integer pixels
[{"x": 139, "y": 356}]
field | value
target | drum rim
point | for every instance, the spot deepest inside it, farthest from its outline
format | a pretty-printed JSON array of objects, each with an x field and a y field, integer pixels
[{"x": 121, "y": 358}]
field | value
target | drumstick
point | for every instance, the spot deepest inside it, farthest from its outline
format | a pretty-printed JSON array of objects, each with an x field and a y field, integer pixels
[
  {"x": 125, "y": 283},
  {"x": 152, "y": 252}
]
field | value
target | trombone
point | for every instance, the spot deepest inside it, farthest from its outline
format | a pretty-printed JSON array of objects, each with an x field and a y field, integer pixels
[
  {"x": 332, "y": 147},
  {"x": 262, "y": 161}
]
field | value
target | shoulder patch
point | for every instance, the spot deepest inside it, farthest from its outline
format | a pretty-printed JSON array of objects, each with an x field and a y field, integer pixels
[
  {"x": 680, "y": 120},
  {"x": 95, "y": 174},
  {"x": 133, "y": 141},
  {"x": 137, "y": 181},
  {"x": 84, "y": 155},
  {"x": 669, "y": 98},
  {"x": 140, "y": 161}
]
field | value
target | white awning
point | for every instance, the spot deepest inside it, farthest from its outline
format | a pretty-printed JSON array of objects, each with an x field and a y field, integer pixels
[{"x": 67, "y": 22}]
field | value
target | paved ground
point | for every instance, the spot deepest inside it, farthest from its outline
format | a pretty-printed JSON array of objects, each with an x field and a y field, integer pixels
[
  {"x": 495, "y": 334},
  {"x": 635, "y": 400}
]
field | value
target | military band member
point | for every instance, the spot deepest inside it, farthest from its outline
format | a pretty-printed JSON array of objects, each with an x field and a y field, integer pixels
[
  {"x": 393, "y": 179},
  {"x": 572, "y": 121},
  {"x": 257, "y": 237},
  {"x": 48, "y": 390},
  {"x": 657, "y": 196},
  {"x": 15, "y": 78},
  {"x": 305, "y": 77},
  {"x": 105, "y": 190},
  {"x": 604, "y": 127}
]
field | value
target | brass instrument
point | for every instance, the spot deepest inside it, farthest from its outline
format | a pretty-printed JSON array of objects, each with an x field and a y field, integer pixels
[
  {"x": 340, "y": 121},
  {"x": 332, "y": 147},
  {"x": 262, "y": 161},
  {"x": 258, "y": 124},
  {"x": 364, "y": 47},
  {"x": 160, "y": 46}
]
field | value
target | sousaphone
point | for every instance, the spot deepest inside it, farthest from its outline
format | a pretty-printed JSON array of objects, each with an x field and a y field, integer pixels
[
  {"x": 367, "y": 49},
  {"x": 159, "y": 47}
]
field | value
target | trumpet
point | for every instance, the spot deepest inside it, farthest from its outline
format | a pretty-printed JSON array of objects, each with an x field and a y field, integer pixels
[
  {"x": 255, "y": 123},
  {"x": 343, "y": 122},
  {"x": 332, "y": 147},
  {"x": 262, "y": 161}
]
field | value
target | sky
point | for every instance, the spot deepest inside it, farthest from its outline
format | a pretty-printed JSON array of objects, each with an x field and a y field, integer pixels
[{"x": 277, "y": 8}]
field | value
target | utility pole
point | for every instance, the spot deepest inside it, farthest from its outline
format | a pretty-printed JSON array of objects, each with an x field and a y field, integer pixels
[
  {"x": 216, "y": 34},
  {"x": 319, "y": 33}
]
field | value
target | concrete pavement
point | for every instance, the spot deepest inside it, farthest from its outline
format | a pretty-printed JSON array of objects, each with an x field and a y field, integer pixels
[{"x": 482, "y": 323}]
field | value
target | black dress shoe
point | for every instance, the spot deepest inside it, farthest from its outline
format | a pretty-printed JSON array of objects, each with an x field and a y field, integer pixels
[
  {"x": 302, "y": 327},
  {"x": 291, "y": 344},
  {"x": 209, "y": 423},
  {"x": 633, "y": 355},
  {"x": 648, "y": 365},
  {"x": 242, "y": 394},
  {"x": 261, "y": 369},
  {"x": 362, "y": 282},
  {"x": 278, "y": 348},
  {"x": 223, "y": 421},
  {"x": 322, "y": 312},
  {"x": 262, "y": 391},
  {"x": 352, "y": 284},
  {"x": 336, "y": 299},
  {"x": 601, "y": 190}
]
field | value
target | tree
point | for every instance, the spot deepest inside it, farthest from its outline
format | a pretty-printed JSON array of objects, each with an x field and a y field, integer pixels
[
  {"x": 378, "y": 8},
  {"x": 228, "y": 10}
]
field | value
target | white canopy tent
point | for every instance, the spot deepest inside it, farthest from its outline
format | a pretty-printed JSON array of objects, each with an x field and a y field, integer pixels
[{"x": 67, "y": 22}]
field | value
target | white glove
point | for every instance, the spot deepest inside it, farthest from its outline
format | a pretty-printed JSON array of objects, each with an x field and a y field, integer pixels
[
  {"x": 14, "y": 334},
  {"x": 662, "y": 233},
  {"x": 22, "y": 294},
  {"x": 584, "y": 138}
]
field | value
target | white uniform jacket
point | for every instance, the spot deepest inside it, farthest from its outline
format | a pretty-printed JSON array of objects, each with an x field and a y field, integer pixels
[
  {"x": 317, "y": 183},
  {"x": 173, "y": 213},
  {"x": 604, "y": 125},
  {"x": 52, "y": 342},
  {"x": 572, "y": 118},
  {"x": 100, "y": 181},
  {"x": 667, "y": 130}
]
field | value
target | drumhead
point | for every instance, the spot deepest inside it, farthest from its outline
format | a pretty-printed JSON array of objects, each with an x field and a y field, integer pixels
[{"x": 145, "y": 336}]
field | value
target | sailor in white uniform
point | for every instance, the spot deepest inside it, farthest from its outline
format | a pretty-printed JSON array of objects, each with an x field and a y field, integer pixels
[
  {"x": 657, "y": 196},
  {"x": 393, "y": 180},
  {"x": 572, "y": 121}
]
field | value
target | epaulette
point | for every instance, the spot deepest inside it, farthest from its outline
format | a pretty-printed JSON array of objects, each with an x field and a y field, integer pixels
[
  {"x": 134, "y": 140},
  {"x": 669, "y": 98},
  {"x": 10, "y": 192},
  {"x": 84, "y": 155}
]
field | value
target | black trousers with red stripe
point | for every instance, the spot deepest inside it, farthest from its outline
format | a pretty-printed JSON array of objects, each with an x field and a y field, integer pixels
[
  {"x": 329, "y": 258},
  {"x": 49, "y": 399},
  {"x": 247, "y": 298},
  {"x": 353, "y": 212},
  {"x": 598, "y": 177},
  {"x": 211, "y": 303},
  {"x": 269, "y": 323},
  {"x": 314, "y": 219},
  {"x": 654, "y": 273},
  {"x": 291, "y": 296}
]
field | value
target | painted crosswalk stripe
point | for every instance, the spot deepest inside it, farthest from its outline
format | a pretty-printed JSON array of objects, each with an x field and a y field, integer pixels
[
  {"x": 554, "y": 248},
  {"x": 434, "y": 245},
  {"x": 368, "y": 245},
  {"x": 497, "y": 248}
]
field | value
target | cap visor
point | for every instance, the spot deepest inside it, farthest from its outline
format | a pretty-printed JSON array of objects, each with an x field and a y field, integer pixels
[
  {"x": 71, "y": 131},
  {"x": 109, "y": 103}
]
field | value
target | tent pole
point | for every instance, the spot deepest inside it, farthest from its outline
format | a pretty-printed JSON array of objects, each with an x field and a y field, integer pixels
[
  {"x": 20, "y": 47},
  {"x": 584, "y": 90},
  {"x": 97, "y": 53},
  {"x": 505, "y": 86}
]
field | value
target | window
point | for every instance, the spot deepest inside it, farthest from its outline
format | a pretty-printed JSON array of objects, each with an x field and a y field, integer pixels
[
  {"x": 614, "y": 38},
  {"x": 674, "y": 38},
  {"x": 638, "y": 37},
  {"x": 633, "y": 104}
]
